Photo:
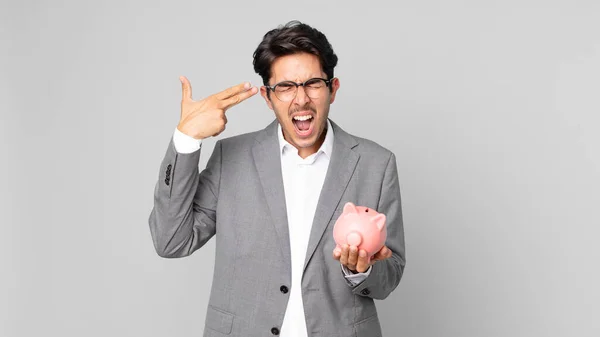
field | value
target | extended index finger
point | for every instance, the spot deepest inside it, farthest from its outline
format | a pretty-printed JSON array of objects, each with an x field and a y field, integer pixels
[
  {"x": 236, "y": 99},
  {"x": 225, "y": 94}
]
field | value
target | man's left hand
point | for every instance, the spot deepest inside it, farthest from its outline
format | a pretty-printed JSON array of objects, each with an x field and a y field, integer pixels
[{"x": 356, "y": 261}]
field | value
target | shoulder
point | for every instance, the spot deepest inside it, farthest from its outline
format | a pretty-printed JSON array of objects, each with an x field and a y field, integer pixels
[
  {"x": 376, "y": 155},
  {"x": 243, "y": 143},
  {"x": 365, "y": 147},
  {"x": 247, "y": 138},
  {"x": 238, "y": 144}
]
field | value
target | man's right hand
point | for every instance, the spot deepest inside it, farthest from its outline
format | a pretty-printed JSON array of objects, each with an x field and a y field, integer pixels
[{"x": 206, "y": 118}]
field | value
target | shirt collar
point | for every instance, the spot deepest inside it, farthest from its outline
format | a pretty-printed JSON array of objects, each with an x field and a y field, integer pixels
[{"x": 326, "y": 147}]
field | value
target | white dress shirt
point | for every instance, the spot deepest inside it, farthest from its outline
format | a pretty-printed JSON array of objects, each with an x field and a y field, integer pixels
[{"x": 303, "y": 180}]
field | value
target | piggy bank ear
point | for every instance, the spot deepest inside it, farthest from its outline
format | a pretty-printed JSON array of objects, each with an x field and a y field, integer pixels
[
  {"x": 379, "y": 221},
  {"x": 350, "y": 208}
]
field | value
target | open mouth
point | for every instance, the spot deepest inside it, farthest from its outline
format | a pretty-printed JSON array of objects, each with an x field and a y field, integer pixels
[{"x": 303, "y": 125}]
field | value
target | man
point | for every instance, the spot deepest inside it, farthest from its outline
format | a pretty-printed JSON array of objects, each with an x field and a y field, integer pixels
[{"x": 271, "y": 198}]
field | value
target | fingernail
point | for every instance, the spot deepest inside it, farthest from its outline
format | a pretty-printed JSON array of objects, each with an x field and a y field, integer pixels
[
  {"x": 363, "y": 253},
  {"x": 247, "y": 85}
]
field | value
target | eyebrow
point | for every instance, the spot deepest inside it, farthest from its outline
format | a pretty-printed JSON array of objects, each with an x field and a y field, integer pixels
[{"x": 311, "y": 77}]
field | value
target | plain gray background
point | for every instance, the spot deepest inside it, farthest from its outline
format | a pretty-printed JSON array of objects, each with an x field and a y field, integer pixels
[{"x": 492, "y": 108}]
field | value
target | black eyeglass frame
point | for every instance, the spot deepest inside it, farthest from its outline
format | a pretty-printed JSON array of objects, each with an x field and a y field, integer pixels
[{"x": 302, "y": 84}]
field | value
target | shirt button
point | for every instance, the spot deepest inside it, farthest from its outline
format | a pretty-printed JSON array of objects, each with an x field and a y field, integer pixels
[
  {"x": 283, "y": 289},
  {"x": 275, "y": 331},
  {"x": 365, "y": 292}
]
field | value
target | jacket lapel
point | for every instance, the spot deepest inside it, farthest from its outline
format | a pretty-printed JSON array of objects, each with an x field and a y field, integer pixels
[
  {"x": 267, "y": 160},
  {"x": 341, "y": 167}
]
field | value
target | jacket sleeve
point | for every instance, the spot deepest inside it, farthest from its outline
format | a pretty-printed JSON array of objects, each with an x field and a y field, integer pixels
[
  {"x": 183, "y": 218},
  {"x": 385, "y": 275}
]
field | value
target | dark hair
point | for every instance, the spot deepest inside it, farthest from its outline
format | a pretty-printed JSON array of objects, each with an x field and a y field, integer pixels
[{"x": 294, "y": 37}]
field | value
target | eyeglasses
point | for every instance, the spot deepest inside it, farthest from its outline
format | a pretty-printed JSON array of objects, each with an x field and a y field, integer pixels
[{"x": 287, "y": 90}]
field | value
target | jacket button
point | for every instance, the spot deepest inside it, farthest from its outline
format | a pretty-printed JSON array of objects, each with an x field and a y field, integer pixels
[
  {"x": 283, "y": 289},
  {"x": 275, "y": 331},
  {"x": 365, "y": 292}
]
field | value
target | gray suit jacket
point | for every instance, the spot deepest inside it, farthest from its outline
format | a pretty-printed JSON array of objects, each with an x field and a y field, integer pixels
[{"x": 239, "y": 199}]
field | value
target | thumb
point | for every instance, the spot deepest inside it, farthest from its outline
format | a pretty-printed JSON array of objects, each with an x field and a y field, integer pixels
[{"x": 186, "y": 89}]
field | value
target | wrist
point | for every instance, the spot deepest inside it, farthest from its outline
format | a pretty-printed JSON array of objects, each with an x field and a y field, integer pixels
[{"x": 182, "y": 128}]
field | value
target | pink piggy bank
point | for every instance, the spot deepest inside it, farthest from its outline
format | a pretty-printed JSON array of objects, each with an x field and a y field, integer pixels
[{"x": 362, "y": 227}]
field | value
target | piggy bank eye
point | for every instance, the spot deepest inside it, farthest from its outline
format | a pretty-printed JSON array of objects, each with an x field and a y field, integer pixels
[{"x": 366, "y": 210}]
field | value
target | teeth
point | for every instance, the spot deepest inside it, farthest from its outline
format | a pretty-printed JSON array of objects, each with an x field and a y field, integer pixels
[{"x": 303, "y": 118}]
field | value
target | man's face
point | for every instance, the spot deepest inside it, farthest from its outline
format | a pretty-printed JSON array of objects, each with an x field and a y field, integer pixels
[{"x": 306, "y": 135}]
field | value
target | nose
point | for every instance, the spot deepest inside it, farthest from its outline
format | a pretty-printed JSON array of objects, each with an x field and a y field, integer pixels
[
  {"x": 301, "y": 97},
  {"x": 353, "y": 238}
]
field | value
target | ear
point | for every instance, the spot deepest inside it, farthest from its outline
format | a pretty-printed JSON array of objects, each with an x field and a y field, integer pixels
[
  {"x": 379, "y": 221},
  {"x": 335, "y": 85},
  {"x": 350, "y": 208},
  {"x": 263, "y": 93}
]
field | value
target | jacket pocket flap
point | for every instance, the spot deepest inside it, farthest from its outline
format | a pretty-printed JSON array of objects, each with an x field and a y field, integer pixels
[
  {"x": 368, "y": 327},
  {"x": 219, "y": 320}
]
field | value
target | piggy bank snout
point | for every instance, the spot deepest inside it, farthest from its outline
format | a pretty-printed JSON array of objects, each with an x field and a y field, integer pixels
[{"x": 354, "y": 239}]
